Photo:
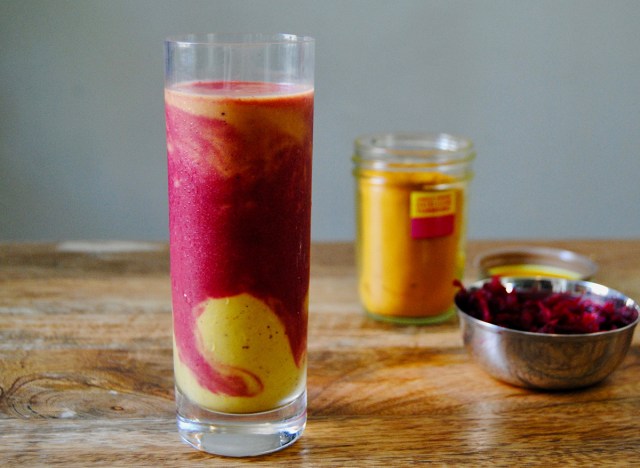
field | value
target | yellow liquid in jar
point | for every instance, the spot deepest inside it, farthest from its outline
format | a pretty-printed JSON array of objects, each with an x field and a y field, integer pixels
[{"x": 401, "y": 277}]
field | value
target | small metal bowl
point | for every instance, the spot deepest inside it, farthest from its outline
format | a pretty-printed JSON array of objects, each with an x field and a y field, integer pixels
[
  {"x": 548, "y": 361},
  {"x": 535, "y": 261}
]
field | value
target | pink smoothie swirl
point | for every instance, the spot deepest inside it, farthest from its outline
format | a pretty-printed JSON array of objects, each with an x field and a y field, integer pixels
[{"x": 239, "y": 212}]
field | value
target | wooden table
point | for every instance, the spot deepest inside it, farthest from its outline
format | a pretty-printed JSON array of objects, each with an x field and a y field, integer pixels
[{"x": 86, "y": 373}]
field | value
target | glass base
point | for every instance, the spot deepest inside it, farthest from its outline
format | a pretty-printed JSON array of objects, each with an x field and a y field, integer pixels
[
  {"x": 405, "y": 320},
  {"x": 240, "y": 435}
]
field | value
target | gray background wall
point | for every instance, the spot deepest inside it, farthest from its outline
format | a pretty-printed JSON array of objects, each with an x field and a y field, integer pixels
[{"x": 548, "y": 90}]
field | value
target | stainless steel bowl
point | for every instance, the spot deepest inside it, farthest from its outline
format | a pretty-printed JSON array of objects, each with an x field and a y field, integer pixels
[{"x": 548, "y": 361}]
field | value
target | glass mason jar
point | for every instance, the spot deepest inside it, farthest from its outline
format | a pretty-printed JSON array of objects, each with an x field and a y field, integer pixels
[{"x": 411, "y": 215}]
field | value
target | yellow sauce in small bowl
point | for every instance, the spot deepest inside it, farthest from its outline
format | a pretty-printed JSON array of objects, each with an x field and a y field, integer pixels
[
  {"x": 528, "y": 270},
  {"x": 531, "y": 261}
]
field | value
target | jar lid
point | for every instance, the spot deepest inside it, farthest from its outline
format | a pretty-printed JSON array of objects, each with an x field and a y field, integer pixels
[{"x": 535, "y": 262}]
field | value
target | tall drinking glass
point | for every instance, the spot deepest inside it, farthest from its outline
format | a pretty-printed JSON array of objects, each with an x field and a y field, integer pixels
[{"x": 239, "y": 121}]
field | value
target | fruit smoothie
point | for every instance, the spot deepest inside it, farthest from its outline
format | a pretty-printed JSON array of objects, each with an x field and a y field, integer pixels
[{"x": 239, "y": 163}]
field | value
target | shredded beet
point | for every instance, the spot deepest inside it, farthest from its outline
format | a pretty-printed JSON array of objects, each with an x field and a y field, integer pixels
[{"x": 542, "y": 312}]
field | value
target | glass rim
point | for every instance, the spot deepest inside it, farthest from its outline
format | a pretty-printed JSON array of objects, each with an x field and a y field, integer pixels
[{"x": 237, "y": 38}]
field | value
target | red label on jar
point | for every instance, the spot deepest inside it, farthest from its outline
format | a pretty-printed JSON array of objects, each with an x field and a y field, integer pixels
[{"x": 432, "y": 214}]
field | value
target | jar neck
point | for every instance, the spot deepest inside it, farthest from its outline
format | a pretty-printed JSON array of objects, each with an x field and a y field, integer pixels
[{"x": 411, "y": 152}]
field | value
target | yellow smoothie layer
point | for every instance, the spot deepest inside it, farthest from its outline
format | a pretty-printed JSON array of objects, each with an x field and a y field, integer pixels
[{"x": 242, "y": 336}]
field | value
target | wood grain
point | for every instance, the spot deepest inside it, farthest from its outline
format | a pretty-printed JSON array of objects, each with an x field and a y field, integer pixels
[{"x": 86, "y": 377}]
